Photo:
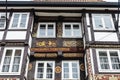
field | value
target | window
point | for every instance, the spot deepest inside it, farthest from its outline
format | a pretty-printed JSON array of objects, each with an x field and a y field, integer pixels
[
  {"x": 19, "y": 21},
  {"x": 11, "y": 61},
  {"x": 72, "y": 30},
  {"x": 46, "y": 30},
  {"x": 108, "y": 60},
  {"x": 45, "y": 70},
  {"x": 103, "y": 21},
  {"x": 2, "y": 20},
  {"x": 70, "y": 70}
]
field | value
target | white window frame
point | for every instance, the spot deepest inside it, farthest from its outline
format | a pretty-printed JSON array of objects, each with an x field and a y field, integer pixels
[
  {"x": 70, "y": 67},
  {"x": 109, "y": 60},
  {"x": 72, "y": 36},
  {"x": 44, "y": 76},
  {"x": 18, "y": 27},
  {"x": 5, "y": 20},
  {"x": 3, "y": 57},
  {"x": 103, "y": 23},
  {"x": 46, "y": 36}
]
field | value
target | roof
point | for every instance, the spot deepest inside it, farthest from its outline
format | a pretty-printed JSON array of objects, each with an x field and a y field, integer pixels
[{"x": 58, "y": 4}]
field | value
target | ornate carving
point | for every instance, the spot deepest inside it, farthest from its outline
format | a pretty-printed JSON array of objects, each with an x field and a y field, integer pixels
[
  {"x": 43, "y": 55},
  {"x": 82, "y": 67},
  {"x": 59, "y": 30},
  {"x": 68, "y": 43},
  {"x": 72, "y": 55},
  {"x": 30, "y": 66},
  {"x": 58, "y": 69},
  {"x": 46, "y": 44}
]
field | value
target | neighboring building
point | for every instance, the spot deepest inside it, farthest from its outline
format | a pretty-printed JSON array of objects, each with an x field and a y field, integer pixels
[{"x": 47, "y": 40}]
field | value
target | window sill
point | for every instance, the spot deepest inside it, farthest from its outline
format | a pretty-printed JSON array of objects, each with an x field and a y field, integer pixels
[
  {"x": 9, "y": 73},
  {"x": 109, "y": 71},
  {"x": 71, "y": 37},
  {"x": 112, "y": 29}
]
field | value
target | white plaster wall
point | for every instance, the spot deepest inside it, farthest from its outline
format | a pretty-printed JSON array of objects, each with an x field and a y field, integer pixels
[
  {"x": 16, "y": 35},
  {"x": 30, "y": 41},
  {"x": 105, "y": 36},
  {"x": 1, "y": 34},
  {"x": 89, "y": 33},
  {"x": 87, "y": 19}
]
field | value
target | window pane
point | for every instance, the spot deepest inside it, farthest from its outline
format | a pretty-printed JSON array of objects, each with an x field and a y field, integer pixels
[
  {"x": 103, "y": 60},
  {"x": 40, "y": 70},
  {"x": 15, "y": 68},
  {"x": 40, "y": 64},
  {"x": 98, "y": 22},
  {"x": 50, "y": 65},
  {"x": 42, "y": 30},
  {"x": 65, "y": 65},
  {"x": 49, "y": 75},
  {"x": 39, "y": 75},
  {"x": 74, "y": 64},
  {"x": 76, "y": 30},
  {"x": 75, "y": 75},
  {"x": 17, "y": 52},
  {"x": 16, "y": 61},
  {"x": 2, "y": 23},
  {"x": 23, "y": 20},
  {"x": 7, "y": 61},
  {"x": 66, "y": 75},
  {"x": 5, "y": 68},
  {"x": 115, "y": 60},
  {"x": 50, "y": 30},
  {"x": 15, "y": 20},
  {"x": 107, "y": 20},
  {"x": 68, "y": 30}
]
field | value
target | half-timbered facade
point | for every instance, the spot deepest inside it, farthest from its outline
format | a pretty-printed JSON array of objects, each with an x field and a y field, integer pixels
[{"x": 59, "y": 40}]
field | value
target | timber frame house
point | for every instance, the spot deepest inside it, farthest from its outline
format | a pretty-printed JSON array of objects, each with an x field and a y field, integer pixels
[{"x": 59, "y": 40}]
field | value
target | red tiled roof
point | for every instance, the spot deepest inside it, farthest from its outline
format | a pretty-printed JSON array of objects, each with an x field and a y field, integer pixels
[{"x": 69, "y": 0}]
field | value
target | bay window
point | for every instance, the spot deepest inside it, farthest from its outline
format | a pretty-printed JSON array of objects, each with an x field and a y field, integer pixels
[
  {"x": 19, "y": 21},
  {"x": 108, "y": 60},
  {"x": 102, "y": 22},
  {"x": 11, "y": 61}
]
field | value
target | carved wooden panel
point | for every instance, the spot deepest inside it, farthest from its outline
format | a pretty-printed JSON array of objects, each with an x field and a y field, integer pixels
[
  {"x": 59, "y": 30},
  {"x": 48, "y": 43},
  {"x": 72, "y": 43}
]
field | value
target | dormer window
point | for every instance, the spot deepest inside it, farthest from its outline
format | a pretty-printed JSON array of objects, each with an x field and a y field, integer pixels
[
  {"x": 102, "y": 22},
  {"x": 19, "y": 21},
  {"x": 2, "y": 20}
]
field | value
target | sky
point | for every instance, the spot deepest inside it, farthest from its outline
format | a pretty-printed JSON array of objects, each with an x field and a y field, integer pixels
[{"x": 31, "y": 0}]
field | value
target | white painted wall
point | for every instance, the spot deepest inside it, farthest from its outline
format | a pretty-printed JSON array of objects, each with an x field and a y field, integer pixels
[
  {"x": 87, "y": 19},
  {"x": 30, "y": 41},
  {"x": 105, "y": 36},
  {"x": 89, "y": 33},
  {"x": 16, "y": 35},
  {"x": 1, "y": 34}
]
